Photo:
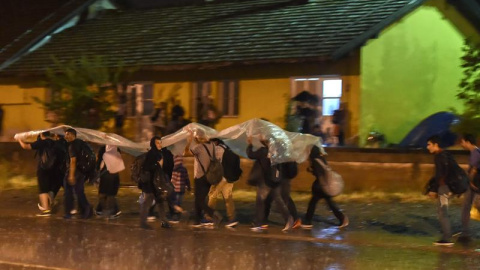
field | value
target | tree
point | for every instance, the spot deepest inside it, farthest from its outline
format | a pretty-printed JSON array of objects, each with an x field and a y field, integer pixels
[
  {"x": 469, "y": 92},
  {"x": 82, "y": 92}
]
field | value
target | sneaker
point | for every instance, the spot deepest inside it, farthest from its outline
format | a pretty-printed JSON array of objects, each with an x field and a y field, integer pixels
[
  {"x": 97, "y": 213},
  {"x": 264, "y": 226},
  {"x": 256, "y": 229},
  {"x": 443, "y": 243},
  {"x": 306, "y": 226},
  {"x": 151, "y": 218},
  {"x": 231, "y": 224},
  {"x": 40, "y": 207},
  {"x": 196, "y": 225},
  {"x": 289, "y": 225},
  {"x": 297, "y": 224},
  {"x": 116, "y": 215},
  {"x": 207, "y": 222},
  {"x": 73, "y": 212},
  {"x": 166, "y": 224},
  {"x": 345, "y": 222},
  {"x": 44, "y": 213}
]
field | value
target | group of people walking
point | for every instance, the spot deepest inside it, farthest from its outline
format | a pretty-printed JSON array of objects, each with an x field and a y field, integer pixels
[{"x": 163, "y": 180}]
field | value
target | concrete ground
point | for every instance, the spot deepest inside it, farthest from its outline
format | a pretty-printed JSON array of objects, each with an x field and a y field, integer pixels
[{"x": 387, "y": 231}]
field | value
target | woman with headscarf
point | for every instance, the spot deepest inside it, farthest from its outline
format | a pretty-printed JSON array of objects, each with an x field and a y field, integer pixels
[
  {"x": 109, "y": 164},
  {"x": 318, "y": 193},
  {"x": 152, "y": 188}
]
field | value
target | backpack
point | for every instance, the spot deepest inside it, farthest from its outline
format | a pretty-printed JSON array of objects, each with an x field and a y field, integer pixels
[
  {"x": 290, "y": 169},
  {"x": 332, "y": 184},
  {"x": 457, "y": 179},
  {"x": 48, "y": 157},
  {"x": 136, "y": 169},
  {"x": 214, "y": 172},
  {"x": 231, "y": 166},
  {"x": 86, "y": 160}
]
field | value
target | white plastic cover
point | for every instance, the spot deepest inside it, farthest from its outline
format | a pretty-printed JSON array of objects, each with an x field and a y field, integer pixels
[
  {"x": 284, "y": 146},
  {"x": 91, "y": 135}
]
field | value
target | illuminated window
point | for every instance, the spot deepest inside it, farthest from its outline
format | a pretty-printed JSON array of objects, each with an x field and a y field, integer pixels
[{"x": 328, "y": 90}]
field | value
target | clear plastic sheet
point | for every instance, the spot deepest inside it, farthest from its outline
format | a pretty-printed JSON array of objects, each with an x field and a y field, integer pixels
[
  {"x": 284, "y": 146},
  {"x": 91, "y": 135}
]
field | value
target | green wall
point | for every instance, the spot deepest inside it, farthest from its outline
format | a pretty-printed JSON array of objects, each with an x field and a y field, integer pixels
[{"x": 410, "y": 72}]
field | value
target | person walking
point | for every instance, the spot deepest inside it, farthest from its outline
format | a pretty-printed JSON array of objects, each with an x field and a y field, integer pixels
[
  {"x": 267, "y": 179},
  {"x": 468, "y": 142},
  {"x": 152, "y": 187},
  {"x": 181, "y": 183},
  {"x": 232, "y": 172},
  {"x": 439, "y": 189},
  {"x": 202, "y": 152},
  {"x": 74, "y": 177},
  {"x": 109, "y": 164},
  {"x": 318, "y": 193},
  {"x": 46, "y": 169}
]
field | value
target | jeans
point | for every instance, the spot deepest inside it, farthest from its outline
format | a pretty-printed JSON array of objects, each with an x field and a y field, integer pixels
[
  {"x": 202, "y": 188},
  {"x": 78, "y": 189},
  {"x": 442, "y": 211},
  {"x": 226, "y": 189},
  {"x": 317, "y": 194},
  {"x": 468, "y": 200}
]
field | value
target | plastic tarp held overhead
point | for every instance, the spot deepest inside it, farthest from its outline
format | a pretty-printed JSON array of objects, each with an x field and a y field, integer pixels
[
  {"x": 436, "y": 124},
  {"x": 284, "y": 146},
  {"x": 93, "y": 136}
]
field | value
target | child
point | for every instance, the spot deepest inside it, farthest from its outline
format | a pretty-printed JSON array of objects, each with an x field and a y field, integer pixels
[{"x": 180, "y": 181}]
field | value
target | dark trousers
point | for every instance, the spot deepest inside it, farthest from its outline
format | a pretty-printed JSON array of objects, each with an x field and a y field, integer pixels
[
  {"x": 468, "y": 199},
  {"x": 285, "y": 193},
  {"x": 145, "y": 206},
  {"x": 263, "y": 192},
  {"x": 77, "y": 189},
  {"x": 202, "y": 187},
  {"x": 317, "y": 194}
]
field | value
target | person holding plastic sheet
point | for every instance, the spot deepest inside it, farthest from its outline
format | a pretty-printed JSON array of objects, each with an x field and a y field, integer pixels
[
  {"x": 202, "y": 152},
  {"x": 109, "y": 164},
  {"x": 318, "y": 193},
  {"x": 153, "y": 175},
  {"x": 74, "y": 177},
  {"x": 267, "y": 179},
  {"x": 46, "y": 169}
]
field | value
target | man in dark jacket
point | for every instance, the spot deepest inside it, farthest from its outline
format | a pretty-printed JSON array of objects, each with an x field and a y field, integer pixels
[
  {"x": 75, "y": 178},
  {"x": 442, "y": 192},
  {"x": 264, "y": 176}
]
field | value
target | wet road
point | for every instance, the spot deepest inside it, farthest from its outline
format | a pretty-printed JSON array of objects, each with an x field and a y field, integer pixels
[{"x": 387, "y": 235}]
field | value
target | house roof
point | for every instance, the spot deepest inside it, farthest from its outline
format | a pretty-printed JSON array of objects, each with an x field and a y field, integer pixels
[
  {"x": 26, "y": 22},
  {"x": 220, "y": 34}
]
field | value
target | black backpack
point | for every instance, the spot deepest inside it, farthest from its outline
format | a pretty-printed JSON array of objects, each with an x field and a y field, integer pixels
[
  {"x": 136, "y": 169},
  {"x": 457, "y": 179},
  {"x": 48, "y": 156},
  {"x": 289, "y": 169},
  {"x": 86, "y": 160},
  {"x": 231, "y": 166}
]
